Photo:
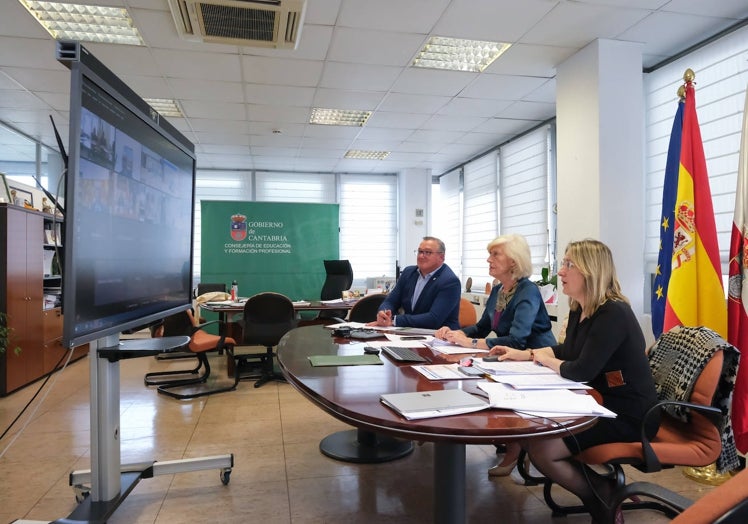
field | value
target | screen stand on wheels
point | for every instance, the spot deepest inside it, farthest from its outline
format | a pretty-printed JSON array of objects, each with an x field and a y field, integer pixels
[{"x": 102, "y": 489}]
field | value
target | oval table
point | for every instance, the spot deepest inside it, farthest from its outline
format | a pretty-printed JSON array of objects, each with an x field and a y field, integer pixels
[{"x": 352, "y": 394}]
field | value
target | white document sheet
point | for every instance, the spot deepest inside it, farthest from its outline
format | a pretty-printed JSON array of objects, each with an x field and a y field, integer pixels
[{"x": 556, "y": 402}]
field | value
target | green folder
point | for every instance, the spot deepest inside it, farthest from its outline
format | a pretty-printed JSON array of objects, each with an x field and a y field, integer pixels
[{"x": 344, "y": 360}]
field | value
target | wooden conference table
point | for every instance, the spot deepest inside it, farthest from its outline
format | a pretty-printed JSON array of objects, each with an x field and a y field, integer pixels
[{"x": 352, "y": 393}]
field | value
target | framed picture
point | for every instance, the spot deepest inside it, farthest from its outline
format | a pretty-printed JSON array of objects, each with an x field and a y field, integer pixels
[
  {"x": 4, "y": 190},
  {"x": 22, "y": 198}
]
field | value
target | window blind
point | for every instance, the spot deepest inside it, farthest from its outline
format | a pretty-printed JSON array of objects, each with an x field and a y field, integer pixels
[
  {"x": 524, "y": 194},
  {"x": 295, "y": 187},
  {"x": 480, "y": 216},
  {"x": 721, "y": 69},
  {"x": 447, "y": 221},
  {"x": 368, "y": 225},
  {"x": 216, "y": 185}
]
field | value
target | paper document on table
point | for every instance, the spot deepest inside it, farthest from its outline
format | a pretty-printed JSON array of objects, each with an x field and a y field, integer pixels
[
  {"x": 447, "y": 348},
  {"x": 219, "y": 303},
  {"x": 522, "y": 367},
  {"x": 352, "y": 325},
  {"x": 536, "y": 381},
  {"x": 400, "y": 343},
  {"x": 556, "y": 401},
  {"x": 334, "y": 301},
  {"x": 442, "y": 372},
  {"x": 301, "y": 303}
]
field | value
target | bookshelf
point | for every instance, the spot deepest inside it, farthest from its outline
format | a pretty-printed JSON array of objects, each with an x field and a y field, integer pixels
[{"x": 29, "y": 296}]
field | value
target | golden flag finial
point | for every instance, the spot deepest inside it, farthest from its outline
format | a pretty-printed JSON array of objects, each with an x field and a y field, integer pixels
[
  {"x": 682, "y": 92},
  {"x": 689, "y": 75}
]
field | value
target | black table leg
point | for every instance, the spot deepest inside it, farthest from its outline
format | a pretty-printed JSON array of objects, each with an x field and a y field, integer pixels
[
  {"x": 449, "y": 483},
  {"x": 364, "y": 447}
]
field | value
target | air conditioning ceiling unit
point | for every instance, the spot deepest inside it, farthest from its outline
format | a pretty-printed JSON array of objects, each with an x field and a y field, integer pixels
[{"x": 261, "y": 23}]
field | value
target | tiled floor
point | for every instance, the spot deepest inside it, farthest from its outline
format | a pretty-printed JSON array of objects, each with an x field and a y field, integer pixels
[{"x": 279, "y": 474}]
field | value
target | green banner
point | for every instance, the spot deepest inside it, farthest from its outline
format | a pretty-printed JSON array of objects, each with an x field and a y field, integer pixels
[{"x": 268, "y": 246}]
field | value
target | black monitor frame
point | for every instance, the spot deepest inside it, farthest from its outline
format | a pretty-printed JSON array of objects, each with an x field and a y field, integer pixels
[{"x": 96, "y": 304}]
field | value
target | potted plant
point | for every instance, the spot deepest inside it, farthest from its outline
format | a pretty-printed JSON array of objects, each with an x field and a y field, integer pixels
[
  {"x": 547, "y": 285},
  {"x": 5, "y": 334}
]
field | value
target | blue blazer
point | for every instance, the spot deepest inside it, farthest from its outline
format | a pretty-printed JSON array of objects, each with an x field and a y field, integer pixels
[
  {"x": 523, "y": 324},
  {"x": 437, "y": 306}
]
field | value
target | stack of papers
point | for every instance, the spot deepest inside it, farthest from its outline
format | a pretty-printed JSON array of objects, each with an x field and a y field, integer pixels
[
  {"x": 447, "y": 348},
  {"x": 512, "y": 367},
  {"x": 543, "y": 402},
  {"x": 538, "y": 381},
  {"x": 442, "y": 372}
]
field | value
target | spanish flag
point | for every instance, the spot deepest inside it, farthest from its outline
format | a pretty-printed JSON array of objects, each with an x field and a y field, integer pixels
[
  {"x": 737, "y": 318},
  {"x": 694, "y": 295}
]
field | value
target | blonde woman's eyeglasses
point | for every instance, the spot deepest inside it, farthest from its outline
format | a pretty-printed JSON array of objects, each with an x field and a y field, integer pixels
[{"x": 567, "y": 264}]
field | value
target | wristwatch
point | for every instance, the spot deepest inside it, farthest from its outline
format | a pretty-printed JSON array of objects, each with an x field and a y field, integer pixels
[{"x": 474, "y": 343}]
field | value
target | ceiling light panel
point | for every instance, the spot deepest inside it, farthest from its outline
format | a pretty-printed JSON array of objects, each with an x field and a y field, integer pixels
[
  {"x": 456, "y": 54},
  {"x": 360, "y": 154},
  {"x": 165, "y": 106},
  {"x": 86, "y": 23},
  {"x": 339, "y": 117}
]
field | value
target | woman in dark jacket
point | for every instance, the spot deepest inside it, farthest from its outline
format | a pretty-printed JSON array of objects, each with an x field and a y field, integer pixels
[{"x": 605, "y": 347}]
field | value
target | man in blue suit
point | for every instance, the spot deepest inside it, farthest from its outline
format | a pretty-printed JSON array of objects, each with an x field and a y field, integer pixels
[{"x": 428, "y": 294}]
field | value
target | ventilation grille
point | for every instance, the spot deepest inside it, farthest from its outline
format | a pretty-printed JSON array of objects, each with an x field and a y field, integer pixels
[{"x": 240, "y": 22}]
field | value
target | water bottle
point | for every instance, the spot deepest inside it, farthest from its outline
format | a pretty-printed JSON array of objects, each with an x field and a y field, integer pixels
[{"x": 234, "y": 291}]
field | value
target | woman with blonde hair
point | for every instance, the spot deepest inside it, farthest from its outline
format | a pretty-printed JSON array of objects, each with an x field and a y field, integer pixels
[
  {"x": 604, "y": 346},
  {"x": 514, "y": 313}
]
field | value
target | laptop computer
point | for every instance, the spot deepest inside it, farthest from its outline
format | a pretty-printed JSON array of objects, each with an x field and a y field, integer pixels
[{"x": 426, "y": 404}]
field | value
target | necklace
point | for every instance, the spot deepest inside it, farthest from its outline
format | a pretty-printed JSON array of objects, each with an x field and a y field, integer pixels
[{"x": 504, "y": 298}]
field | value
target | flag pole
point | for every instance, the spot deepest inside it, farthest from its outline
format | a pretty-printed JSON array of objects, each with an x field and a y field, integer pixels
[{"x": 704, "y": 474}]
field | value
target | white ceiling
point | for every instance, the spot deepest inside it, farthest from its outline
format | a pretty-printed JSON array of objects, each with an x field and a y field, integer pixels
[{"x": 353, "y": 54}]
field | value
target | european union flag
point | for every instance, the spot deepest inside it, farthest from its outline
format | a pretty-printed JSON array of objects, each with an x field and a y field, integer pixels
[{"x": 667, "y": 224}]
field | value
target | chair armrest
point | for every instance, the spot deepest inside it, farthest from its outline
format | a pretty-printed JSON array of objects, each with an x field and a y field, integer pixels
[
  {"x": 651, "y": 461},
  {"x": 208, "y": 323}
]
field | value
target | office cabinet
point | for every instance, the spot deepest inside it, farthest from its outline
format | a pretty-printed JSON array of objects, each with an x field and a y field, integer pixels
[{"x": 35, "y": 330}]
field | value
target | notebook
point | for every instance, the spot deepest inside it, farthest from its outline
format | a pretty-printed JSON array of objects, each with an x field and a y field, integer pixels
[{"x": 426, "y": 404}]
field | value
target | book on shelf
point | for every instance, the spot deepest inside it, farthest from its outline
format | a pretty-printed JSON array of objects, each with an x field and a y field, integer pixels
[{"x": 49, "y": 256}]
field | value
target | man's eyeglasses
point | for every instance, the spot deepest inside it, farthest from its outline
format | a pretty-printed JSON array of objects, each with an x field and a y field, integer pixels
[
  {"x": 567, "y": 264},
  {"x": 425, "y": 252}
]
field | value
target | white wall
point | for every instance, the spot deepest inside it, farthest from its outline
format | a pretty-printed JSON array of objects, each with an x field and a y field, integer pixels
[
  {"x": 415, "y": 187},
  {"x": 600, "y": 175}
]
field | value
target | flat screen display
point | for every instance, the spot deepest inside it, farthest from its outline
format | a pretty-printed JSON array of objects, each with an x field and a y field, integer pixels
[{"x": 129, "y": 212}]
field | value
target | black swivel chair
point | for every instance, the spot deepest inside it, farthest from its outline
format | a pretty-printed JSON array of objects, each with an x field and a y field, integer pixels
[
  {"x": 365, "y": 310},
  {"x": 339, "y": 278},
  {"x": 267, "y": 317},
  {"x": 209, "y": 287}
]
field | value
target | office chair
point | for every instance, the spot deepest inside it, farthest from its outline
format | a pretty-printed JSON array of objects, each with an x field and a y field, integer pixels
[
  {"x": 467, "y": 315},
  {"x": 209, "y": 287},
  {"x": 727, "y": 504},
  {"x": 365, "y": 309},
  {"x": 180, "y": 383},
  {"x": 694, "y": 430},
  {"x": 339, "y": 278},
  {"x": 267, "y": 317}
]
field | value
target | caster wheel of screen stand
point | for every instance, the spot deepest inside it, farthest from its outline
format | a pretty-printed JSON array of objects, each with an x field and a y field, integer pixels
[
  {"x": 81, "y": 494},
  {"x": 225, "y": 476}
]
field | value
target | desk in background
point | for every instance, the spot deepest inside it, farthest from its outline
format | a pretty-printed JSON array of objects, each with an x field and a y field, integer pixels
[{"x": 234, "y": 330}]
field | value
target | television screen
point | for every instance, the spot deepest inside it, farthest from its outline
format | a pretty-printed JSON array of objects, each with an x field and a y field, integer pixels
[{"x": 129, "y": 206}]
